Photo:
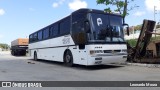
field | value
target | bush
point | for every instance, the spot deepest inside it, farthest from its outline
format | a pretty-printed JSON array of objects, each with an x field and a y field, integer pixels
[
  {"x": 4, "y": 46},
  {"x": 132, "y": 42}
]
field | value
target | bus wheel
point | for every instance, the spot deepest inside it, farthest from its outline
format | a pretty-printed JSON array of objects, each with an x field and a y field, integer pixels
[
  {"x": 35, "y": 56},
  {"x": 12, "y": 52},
  {"x": 68, "y": 58}
]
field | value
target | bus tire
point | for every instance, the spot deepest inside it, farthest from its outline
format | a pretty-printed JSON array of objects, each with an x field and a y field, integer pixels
[
  {"x": 68, "y": 58},
  {"x": 23, "y": 53},
  {"x": 12, "y": 53},
  {"x": 35, "y": 56}
]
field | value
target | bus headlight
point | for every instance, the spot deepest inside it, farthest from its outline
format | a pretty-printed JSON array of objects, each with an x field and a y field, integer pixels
[{"x": 92, "y": 52}]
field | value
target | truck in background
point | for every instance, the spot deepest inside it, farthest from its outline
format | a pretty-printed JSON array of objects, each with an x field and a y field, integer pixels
[{"x": 19, "y": 47}]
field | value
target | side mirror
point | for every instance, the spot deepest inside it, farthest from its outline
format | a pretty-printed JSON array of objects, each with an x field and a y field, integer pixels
[
  {"x": 128, "y": 31},
  {"x": 127, "y": 28},
  {"x": 87, "y": 27}
]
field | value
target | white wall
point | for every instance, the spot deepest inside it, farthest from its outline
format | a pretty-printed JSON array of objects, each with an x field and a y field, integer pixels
[
  {"x": 136, "y": 35},
  {"x": 132, "y": 36}
]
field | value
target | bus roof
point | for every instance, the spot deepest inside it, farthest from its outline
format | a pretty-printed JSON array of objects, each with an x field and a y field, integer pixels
[{"x": 85, "y": 10}]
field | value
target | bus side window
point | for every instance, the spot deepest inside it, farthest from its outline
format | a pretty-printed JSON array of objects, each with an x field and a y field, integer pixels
[
  {"x": 35, "y": 38},
  {"x": 40, "y": 35},
  {"x": 78, "y": 22},
  {"x": 65, "y": 26},
  {"x": 77, "y": 27},
  {"x": 54, "y": 30},
  {"x": 46, "y": 33},
  {"x": 31, "y": 38}
]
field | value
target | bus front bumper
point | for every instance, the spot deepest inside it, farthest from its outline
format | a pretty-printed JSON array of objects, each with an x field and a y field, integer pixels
[{"x": 98, "y": 60}]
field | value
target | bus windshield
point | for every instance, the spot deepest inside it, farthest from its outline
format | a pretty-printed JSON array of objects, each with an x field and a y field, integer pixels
[{"x": 106, "y": 28}]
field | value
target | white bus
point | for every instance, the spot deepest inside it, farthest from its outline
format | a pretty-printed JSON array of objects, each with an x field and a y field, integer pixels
[{"x": 86, "y": 37}]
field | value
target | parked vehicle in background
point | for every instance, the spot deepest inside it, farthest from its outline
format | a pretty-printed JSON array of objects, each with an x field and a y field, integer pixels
[
  {"x": 86, "y": 37},
  {"x": 19, "y": 46}
]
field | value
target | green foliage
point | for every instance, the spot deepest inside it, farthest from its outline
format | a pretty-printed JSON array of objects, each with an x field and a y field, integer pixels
[
  {"x": 121, "y": 6},
  {"x": 132, "y": 42},
  {"x": 117, "y": 3},
  {"x": 138, "y": 27},
  {"x": 4, "y": 46}
]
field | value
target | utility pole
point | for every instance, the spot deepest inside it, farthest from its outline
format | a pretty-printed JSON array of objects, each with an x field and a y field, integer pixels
[
  {"x": 155, "y": 19},
  {"x": 154, "y": 13},
  {"x": 133, "y": 32}
]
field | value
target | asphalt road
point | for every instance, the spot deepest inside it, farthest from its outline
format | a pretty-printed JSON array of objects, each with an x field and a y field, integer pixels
[{"x": 24, "y": 69}]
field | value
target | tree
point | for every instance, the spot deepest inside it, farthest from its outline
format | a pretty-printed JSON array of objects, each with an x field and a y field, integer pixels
[
  {"x": 121, "y": 6},
  {"x": 138, "y": 27},
  {"x": 4, "y": 46}
]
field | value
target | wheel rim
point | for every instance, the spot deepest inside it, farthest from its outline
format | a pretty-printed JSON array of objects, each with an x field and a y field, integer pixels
[{"x": 68, "y": 58}]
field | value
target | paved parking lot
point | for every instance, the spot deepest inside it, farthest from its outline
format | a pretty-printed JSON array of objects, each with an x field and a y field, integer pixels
[{"x": 24, "y": 69}]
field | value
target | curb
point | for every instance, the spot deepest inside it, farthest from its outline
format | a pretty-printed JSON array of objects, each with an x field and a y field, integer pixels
[{"x": 144, "y": 65}]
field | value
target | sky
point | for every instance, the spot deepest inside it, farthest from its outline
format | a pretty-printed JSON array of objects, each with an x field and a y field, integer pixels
[{"x": 19, "y": 18}]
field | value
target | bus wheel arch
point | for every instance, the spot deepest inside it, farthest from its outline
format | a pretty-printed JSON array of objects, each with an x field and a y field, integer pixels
[{"x": 68, "y": 58}]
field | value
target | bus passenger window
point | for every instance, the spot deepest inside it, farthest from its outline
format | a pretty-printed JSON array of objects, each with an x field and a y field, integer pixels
[
  {"x": 65, "y": 26},
  {"x": 35, "y": 37},
  {"x": 31, "y": 38},
  {"x": 46, "y": 33},
  {"x": 40, "y": 35},
  {"x": 54, "y": 30}
]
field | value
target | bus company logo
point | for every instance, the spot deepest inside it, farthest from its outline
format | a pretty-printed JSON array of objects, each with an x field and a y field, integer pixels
[
  {"x": 66, "y": 41},
  {"x": 6, "y": 84},
  {"x": 99, "y": 21}
]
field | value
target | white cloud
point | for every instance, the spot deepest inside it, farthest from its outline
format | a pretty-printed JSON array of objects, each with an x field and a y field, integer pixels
[
  {"x": 55, "y": 5},
  {"x": 151, "y": 3},
  {"x": 2, "y": 12},
  {"x": 77, "y": 4},
  {"x": 61, "y": 1},
  {"x": 58, "y": 3},
  {"x": 139, "y": 13}
]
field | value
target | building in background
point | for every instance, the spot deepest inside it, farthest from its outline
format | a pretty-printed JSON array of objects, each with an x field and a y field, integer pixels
[{"x": 134, "y": 34}]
